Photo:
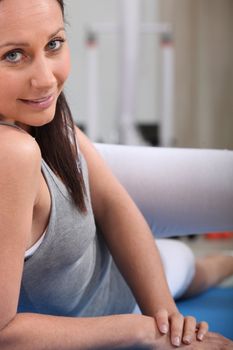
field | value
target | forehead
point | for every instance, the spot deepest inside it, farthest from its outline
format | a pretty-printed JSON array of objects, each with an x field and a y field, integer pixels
[{"x": 29, "y": 16}]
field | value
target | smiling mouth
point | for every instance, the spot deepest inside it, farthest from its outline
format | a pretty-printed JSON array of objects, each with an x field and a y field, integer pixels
[{"x": 40, "y": 103}]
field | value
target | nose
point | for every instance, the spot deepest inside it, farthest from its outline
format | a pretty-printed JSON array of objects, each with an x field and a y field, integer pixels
[{"x": 42, "y": 76}]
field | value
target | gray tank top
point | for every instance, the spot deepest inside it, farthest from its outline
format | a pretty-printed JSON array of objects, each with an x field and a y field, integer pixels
[{"x": 72, "y": 272}]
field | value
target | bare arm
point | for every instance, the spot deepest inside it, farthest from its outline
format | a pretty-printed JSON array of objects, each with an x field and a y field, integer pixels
[
  {"x": 18, "y": 188},
  {"x": 133, "y": 248},
  {"x": 127, "y": 234},
  {"x": 40, "y": 332},
  {"x": 128, "y": 332}
]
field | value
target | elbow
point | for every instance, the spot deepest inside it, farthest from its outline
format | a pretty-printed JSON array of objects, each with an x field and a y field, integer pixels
[
  {"x": 9, "y": 335},
  {"x": 6, "y": 320}
]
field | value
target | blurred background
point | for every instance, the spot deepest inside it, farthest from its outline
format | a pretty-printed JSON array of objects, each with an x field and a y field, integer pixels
[{"x": 155, "y": 72}]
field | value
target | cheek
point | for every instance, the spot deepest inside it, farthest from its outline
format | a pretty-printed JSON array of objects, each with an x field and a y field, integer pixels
[
  {"x": 8, "y": 96},
  {"x": 64, "y": 67},
  {"x": 14, "y": 86}
]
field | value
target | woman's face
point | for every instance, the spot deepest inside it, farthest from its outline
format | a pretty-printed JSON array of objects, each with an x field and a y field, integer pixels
[{"x": 34, "y": 60}]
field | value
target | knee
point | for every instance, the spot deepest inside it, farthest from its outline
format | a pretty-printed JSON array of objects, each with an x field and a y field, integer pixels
[{"x": 179, "y": 265}]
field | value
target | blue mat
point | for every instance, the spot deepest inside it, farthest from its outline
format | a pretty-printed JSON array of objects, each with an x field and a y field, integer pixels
[{"x": 215, "y": 307}]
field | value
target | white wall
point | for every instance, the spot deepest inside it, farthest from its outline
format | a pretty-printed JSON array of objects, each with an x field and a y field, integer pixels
[{"x": 80, "y": 13}]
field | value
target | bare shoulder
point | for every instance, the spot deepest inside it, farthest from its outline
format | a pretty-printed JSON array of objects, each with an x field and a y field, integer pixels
[
  {"x": 87, "y": 147},
  {"x": 82, "y": 139},
  {"x": 98, "y": 168},
  {"x": 104, "y": 187},
  {"x": 20, "y": 165},
  {"x": 18, "y": 150}
]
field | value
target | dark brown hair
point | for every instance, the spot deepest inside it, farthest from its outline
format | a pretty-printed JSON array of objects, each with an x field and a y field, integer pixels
[{"x": 58, "y": 148}]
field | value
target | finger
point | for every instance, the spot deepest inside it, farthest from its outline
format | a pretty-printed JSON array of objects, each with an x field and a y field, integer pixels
[
  {"x": 162, "y": 321},
  {"x": 202, "y": 329},
  {"x": 177, "y": 323},
  {"x": 189, "y": 330}
]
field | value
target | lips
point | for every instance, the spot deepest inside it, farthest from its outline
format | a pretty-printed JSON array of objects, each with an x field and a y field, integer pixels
[
  {"x": 37, "y": 100},
  {"x": 39, "y": 103}
]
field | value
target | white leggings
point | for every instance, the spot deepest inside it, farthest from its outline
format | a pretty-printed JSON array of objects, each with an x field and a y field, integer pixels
[
  {"x": 179, "y": 265},
  {"x": 179, "y": 192}
]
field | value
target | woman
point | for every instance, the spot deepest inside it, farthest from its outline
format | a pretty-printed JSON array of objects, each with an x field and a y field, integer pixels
[{"x": 58, "y": 224}]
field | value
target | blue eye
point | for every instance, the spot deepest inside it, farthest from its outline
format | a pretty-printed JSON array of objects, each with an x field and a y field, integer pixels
[
  {"x": 55, "y": 44},
  {"x": 13, "y": 56}
]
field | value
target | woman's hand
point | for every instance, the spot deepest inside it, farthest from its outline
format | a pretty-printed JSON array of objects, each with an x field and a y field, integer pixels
[{"x": 182, "y": 329}]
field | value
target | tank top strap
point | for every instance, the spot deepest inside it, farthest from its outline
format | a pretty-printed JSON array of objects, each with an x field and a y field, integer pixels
[{"x": 13, "y": 125}]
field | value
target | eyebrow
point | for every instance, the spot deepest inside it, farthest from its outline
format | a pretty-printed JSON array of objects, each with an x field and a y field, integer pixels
[{"x": 13, "y": 43}]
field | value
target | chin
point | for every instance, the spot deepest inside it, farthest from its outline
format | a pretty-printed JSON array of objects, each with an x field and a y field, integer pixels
[
  {"x": 44, "y": 122},
  {"x": 42, "y": 119}
]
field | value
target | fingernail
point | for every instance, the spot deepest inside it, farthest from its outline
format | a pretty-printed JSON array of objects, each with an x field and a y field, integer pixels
[
  {"x": 176, "y": 341},
  {"x": 164, "y": 328},
  {"x": 187, "y": 339},
  {"x": 200, "y": 336}
]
